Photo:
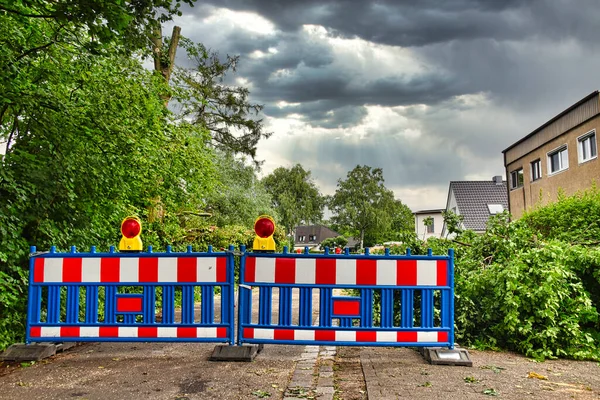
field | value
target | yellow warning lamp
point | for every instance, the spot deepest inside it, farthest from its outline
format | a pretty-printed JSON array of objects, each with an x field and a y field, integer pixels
[
  {"x": 264, "y": 226},
  {"x": 131, "y": 227}
]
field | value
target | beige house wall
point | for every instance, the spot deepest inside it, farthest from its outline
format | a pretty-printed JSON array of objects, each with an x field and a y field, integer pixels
[{"x": 578, "y": 176}]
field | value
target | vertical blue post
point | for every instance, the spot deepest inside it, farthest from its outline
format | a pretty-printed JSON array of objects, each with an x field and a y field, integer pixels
[
  {"x": 406, "y": 316},
  {"x": 34, "y": 300},
  {"x": 168, "y": 304},
  {"x": 305, "y": 313},
  {"x": 366, "y": 305},
  {"x": 451, "y": 301},
  {"x": 149, "y": 306},
  {"x": 387, "y": 308},
  {"x": 285, "y": 306},
  {"x": 265, "y": 301},
  {"x": 427, "y": 308},
  {"x": 53, "y": 304},
  {"x": 91, "y": 304},
  {"x": 110, "y": 306},
  {"x": 227, "y": 294},
  {"x": 325, "y": 307},
  {"x": 187, "y": 304},
  {"x": 207, "y": 304},
  {"x": 244, "y": 300},
  {"x": 72, "y": 304}
]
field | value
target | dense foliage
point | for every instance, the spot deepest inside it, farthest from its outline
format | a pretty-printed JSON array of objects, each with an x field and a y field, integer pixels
[
  {"x": 295, "y": 196},
  {"x": 532, "y": 285},
  {"x": 365, "y": 209}
]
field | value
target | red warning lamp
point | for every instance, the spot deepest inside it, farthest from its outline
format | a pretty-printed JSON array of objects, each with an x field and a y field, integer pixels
[
  {"x": 131, "y": 227},
  {"x": 264, "y": 227}
]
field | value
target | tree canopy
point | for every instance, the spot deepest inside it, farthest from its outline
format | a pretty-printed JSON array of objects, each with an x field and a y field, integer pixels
[
  {"x": 295, "y": 196},
  {"x": 366, "y": 209}
]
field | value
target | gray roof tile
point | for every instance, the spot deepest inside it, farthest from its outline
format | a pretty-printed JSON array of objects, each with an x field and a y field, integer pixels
[{"x": 473, "y": 197}]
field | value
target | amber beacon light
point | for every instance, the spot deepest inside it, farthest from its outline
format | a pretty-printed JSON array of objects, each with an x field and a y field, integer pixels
[
  {"x": 131, "y": 227},
  {"x": 264, "y": 227}
]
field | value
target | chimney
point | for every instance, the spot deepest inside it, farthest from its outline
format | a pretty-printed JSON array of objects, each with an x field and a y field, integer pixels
[{"x": 497, "y": 179}]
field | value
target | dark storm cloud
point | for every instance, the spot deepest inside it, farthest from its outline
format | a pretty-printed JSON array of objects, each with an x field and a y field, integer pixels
[
  {"x": 466, "y": 78},
  {"x": 321, "y": 113},
  {"x": 417, "y": 23}
]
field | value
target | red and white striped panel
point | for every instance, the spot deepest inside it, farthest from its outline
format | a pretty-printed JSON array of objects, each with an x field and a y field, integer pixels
[
  {"x": 331, "y": 271},
  {"x": 345, "y": 336},
  {"x": 130, "y": 269},
  {"x": 126, "y": 332}
]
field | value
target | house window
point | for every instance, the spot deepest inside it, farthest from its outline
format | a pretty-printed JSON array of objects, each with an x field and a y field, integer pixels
[
  {"x": 558, "y": 160},
  {"x": 495, "y": 208},
  {"x": 312, "y": 238},
  {"x": 516, "y": 178},
  {"x": 301, "y": 238},
  {"x": 536, "y": 170},
  {"x": 587, "y": 146},
  {"x": 430, "y": 228}
]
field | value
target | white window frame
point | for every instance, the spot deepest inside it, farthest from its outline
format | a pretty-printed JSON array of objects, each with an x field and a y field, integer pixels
[
  {"x": 512, "y": 182},
  {"x": 431, "y": 228},
  {"x": 580, "y": 146},
  {"x": 539, "y": 169},
  {"x": 563, "y": 163}
]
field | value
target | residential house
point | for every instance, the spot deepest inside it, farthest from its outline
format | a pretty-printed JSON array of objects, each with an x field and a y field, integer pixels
[
  {"x": 476, "y": 201},
  {"x": 311, "y": 236},
  {"x": 435, "y": 230},
  {"x": 560, "y": 155}
]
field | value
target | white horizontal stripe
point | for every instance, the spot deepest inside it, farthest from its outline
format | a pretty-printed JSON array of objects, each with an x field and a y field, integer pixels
[
  {"x": 427, "y": 336},
  {"x": 128, "y": 331},
  {"x": 206, "y": 269},
  {"x": 90, "y": 270},
  {"x": 89, "y": 331},
  {"x": 265, "y": 270},
  {"x": 386, "y": 272},
  {"x": 167, "y": 271},
  {"x": 50, "y": 331},
  {"x": 53, "y": 268},
  {"x": 264, "y": 333},
  {"x": 426, "y": 272},
  {"x": 304, "y": 335},
  {"x": 206, "y": 332},
  {"x": 129, "y": 269},
  {"x": 387, "y": 336},
  {"x": 166, "y": 332},
  {"x": 345, "y": 272},
  {"x": 306, "y": 270},
  {"x": 345, "y": 336}
]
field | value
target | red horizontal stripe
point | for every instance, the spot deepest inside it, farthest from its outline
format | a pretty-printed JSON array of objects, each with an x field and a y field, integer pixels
[
  {"x": 147, "y": 331},
  {"x": 38, "y": 270},
  {"x": 283, "y": 334},
  {"x": 69, "y": 331},
  {"x": 407, "y": 336}
]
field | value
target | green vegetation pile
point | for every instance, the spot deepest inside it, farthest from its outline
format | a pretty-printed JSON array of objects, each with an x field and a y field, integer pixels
[{"x": 531, "y": 285}]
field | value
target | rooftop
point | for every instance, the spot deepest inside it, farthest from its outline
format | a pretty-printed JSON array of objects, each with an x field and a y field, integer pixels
[{"x": 473, "y": 199}]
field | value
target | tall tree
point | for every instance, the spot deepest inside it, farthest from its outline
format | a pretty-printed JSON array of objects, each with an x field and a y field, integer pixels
[
  {"x": 362, "y": 204},
  {"x": 240, "y": 196},
  {"x": 208, "y": 101},
  {"x": 295, "y": 196}
]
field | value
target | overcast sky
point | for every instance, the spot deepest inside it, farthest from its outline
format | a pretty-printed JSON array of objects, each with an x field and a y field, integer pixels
[{"x": 429, "y": 91}]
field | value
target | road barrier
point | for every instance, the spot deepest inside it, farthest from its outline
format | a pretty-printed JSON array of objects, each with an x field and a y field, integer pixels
[
  {"x": 397, "y": 300},
  {"x": 366, "y": 300},
  {"x": 117, "y": 296}
]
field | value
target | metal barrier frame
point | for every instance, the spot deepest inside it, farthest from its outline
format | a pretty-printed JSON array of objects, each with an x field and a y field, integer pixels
[
  {"x": 68, "y": 272},
  {"x": 280, "y": 271}
]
